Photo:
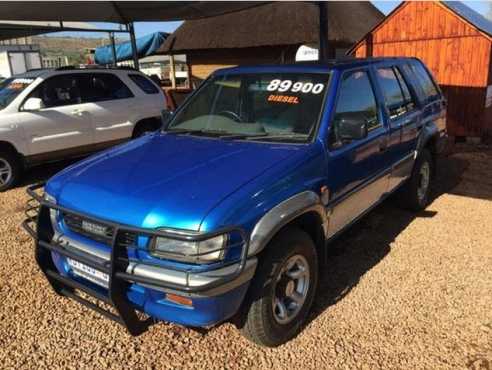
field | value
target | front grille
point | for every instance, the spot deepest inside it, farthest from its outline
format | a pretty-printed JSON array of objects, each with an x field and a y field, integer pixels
[{"x": 97, "y": 231}]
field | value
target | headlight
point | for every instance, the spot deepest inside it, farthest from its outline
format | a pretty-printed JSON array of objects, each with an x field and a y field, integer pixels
[
  {"x": 205, "y": 251},
  {"x": 51, "y": 199}
]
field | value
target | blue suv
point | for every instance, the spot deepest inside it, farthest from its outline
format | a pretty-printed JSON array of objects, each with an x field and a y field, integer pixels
[{"x": 229, "y": 210}]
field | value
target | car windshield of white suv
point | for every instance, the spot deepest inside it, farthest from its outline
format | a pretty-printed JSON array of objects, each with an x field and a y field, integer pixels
[
  {"x": 11, "y": 88},
  {"x": 263, "y": 106}
]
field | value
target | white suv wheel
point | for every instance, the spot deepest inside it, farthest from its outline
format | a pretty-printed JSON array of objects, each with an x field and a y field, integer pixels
[{"x": 5, "y": 172}]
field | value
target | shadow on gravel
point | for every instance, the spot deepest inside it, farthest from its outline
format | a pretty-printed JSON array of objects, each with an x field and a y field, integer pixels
[{"x": 365, "y": 244}]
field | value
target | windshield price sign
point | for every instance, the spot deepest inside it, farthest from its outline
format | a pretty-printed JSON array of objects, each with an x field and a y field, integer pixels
[{"x": 295, "y": 87}]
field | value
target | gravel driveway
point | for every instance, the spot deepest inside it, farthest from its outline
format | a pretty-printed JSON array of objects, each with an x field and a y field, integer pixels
[{"x": 402, "y": 291}]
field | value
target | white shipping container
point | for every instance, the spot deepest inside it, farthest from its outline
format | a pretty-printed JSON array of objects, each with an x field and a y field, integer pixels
[{"x": 15, "y": 62}]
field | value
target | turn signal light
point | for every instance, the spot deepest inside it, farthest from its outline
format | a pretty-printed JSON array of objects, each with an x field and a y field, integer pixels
[{"x": 179, "y": 300}]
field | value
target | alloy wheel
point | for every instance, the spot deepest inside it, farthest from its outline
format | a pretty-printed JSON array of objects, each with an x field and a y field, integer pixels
[
  {"x": 5, "y": 172},
  {"x": 290, "y": 289}
]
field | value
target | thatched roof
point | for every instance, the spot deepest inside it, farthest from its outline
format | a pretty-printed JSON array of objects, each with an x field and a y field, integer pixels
[{"x": 279, "y": 23}]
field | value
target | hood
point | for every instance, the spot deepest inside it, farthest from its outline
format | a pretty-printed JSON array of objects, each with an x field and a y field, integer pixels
[{"x": 164, "y": 180}]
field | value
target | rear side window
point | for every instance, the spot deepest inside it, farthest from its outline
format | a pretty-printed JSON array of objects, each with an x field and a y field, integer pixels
[
  {"x": 144, "y": 84},
  {"x": 428, "y": 89},
  {"x": 99, "y": 87},
  {"x": 393, "y": 95},
  {"x": 409, "y": 101},
  {"x": 396, "y": 92}
]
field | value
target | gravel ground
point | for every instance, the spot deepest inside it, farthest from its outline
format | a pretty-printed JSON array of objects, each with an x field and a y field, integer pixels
[{"x": 402, "y": 291}]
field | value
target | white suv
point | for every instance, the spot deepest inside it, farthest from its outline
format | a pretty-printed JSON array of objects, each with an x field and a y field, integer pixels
[{"x": 47, "y": 115}]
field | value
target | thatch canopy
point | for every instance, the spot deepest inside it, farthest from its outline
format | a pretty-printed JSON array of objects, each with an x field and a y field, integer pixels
[
  {"x": 117, "y": 11},
  {"x": 279, "y": 23}
]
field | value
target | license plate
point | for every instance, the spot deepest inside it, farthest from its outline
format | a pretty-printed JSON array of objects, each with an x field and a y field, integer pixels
[{"x": 89, "y": 273}]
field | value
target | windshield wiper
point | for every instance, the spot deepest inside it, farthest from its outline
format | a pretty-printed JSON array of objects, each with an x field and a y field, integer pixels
[
  {"x": 280, "y": 137},
  {"x": 221, "y": 134},
  {"x": 242, "y": 136},
  {"x": 211, "y": 133}
]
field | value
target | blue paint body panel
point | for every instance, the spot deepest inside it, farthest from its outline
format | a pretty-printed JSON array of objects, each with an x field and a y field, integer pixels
[{"x": 202, "y": 184}]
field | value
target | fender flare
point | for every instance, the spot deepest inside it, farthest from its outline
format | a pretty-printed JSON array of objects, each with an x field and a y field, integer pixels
[
  {"x": 428, "y": 132},
  {"x": 283, "y": 213}
]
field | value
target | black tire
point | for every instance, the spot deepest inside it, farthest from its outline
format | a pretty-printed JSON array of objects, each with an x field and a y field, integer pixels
[
  {"x": 10, "y": 170},
  {"x": 412, "y": 196},
  {"x": 260, "y": 324}
]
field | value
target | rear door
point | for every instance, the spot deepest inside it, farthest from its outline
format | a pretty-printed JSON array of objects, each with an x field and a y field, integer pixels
[
  {"x": 404, "y": 121},
  {"x": 357, "y": 170},
  {"x": 111, "y": 105},
  {"x": 63, "y": 123}
]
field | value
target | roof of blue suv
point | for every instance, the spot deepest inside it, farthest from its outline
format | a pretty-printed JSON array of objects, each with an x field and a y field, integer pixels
[{"x": 313, "y": 66}]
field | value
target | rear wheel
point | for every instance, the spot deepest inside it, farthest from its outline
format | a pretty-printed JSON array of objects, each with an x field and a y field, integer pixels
[
  {"x": 10, "y": 170},
  {"x": 416, "y": 192},
  {"x": 283, "y": 289}
]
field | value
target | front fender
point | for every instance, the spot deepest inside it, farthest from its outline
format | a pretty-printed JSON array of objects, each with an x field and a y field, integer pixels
[
  {"x": 14, "y": 137},
  {"x": 282, "y": 214}
]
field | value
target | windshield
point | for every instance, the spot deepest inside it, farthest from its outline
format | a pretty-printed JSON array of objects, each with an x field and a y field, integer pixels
[
  {"x": 264, "y": 106},
  {"x": 11, "y": 88}
]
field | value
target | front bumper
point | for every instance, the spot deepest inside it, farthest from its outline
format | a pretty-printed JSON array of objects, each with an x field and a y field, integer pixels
[{"x": 134, "y": 284}]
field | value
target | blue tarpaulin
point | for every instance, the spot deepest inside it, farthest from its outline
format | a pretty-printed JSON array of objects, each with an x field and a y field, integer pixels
[{"x": 146, "y": 45}]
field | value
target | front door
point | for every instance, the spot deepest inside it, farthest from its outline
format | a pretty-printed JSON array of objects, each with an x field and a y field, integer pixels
[
  {"x": 357, "y": 170},
  {"x": 63, "y": 124}
]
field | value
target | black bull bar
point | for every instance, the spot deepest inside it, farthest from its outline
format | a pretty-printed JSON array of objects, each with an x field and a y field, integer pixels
[{"x": 38, "y": 225}]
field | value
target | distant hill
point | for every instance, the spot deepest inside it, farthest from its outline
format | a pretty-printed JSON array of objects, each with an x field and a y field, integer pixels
[{"x": 75, "y": 48}]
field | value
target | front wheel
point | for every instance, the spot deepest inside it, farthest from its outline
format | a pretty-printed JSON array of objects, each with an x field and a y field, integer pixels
[
  {"x": 283, "y": 289},
  {"x": 10, "y": 170}
]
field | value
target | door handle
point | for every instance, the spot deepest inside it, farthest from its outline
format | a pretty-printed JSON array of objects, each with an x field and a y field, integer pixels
[{"x": 77, "y": 112}]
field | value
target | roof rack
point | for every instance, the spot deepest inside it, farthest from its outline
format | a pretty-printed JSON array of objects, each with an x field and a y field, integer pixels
[{"x": 93, "y": 66}]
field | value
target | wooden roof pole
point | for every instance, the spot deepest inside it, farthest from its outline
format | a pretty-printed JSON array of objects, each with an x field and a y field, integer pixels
[{"x": 323, "y": 31}]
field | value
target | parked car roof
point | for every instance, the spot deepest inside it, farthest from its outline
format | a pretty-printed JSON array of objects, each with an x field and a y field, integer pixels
[{"x": 33, "y": 73}]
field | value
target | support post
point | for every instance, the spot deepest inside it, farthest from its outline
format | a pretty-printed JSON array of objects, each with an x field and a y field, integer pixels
[
  {"x": 113, "y": 48},
  {"x": 133, "y": 41},
  {"x": 172, "y": 71},
  {"x": 323, "y": 31}
]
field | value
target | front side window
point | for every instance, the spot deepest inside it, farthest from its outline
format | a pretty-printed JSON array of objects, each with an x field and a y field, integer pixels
[
  {"x": 266, "y": 106},
  {"x": 59, "y": 91},
  {"x": 11, "y": 88},
  {"x": 356, "y": 101}
]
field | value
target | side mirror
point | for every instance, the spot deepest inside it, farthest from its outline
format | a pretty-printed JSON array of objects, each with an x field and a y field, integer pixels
[
  {"x": 33, "y": 104},
  {"x": 166, "y": 117},
  {"x": 352, "y": 128}
]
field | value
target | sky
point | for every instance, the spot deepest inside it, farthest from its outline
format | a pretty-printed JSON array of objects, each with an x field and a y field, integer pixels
[{"x": 144, "y": 28}]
